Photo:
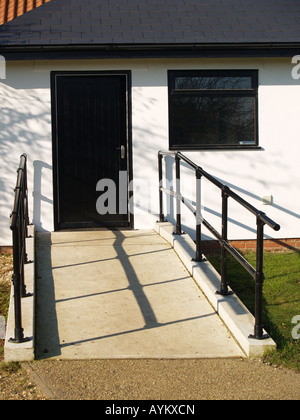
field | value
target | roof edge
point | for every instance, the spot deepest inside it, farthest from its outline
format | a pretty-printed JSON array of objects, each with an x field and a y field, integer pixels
[{"x": 206, "y": 50}]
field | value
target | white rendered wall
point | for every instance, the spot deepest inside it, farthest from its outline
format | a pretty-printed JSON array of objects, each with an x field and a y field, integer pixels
[{"x": 25, "y": 126}]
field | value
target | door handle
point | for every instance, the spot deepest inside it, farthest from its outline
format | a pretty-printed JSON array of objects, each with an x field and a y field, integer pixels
[{"x": 123, "y": 151}]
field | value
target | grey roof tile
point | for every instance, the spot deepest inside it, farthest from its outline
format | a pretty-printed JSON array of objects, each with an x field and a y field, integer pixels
[{"x": 155, "y": 22}]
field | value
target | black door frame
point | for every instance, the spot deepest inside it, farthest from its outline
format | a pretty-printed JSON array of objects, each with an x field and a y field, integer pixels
[{"x": 53, "y": 77}]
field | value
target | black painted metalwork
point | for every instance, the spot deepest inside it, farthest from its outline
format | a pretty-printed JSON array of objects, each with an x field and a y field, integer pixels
[
  {"x": 19, "y": 226},
  {"x": 261, "y": 218}
]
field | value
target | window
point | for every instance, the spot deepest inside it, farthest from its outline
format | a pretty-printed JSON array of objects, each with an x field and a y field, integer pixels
[{"x": 213, "y": 109}]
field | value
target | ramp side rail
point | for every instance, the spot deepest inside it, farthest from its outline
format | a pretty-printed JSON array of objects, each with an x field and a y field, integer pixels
[
  {"x": 226, "y": 193},
  {"x": 19, "y": 223}
]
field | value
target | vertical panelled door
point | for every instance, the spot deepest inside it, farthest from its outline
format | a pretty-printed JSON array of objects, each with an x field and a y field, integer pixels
[{"x": 90, "y": 145}]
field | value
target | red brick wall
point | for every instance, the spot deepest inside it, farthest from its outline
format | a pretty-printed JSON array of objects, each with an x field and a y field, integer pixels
[
  {"x": 250, "y": 245},
  {"x": 10, "y": 9},
  {"x": 5, "y": 250}
]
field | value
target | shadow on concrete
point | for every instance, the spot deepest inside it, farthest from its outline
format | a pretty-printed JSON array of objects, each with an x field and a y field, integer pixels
[
  {"x": 46, "y": 325},
  {"x": 85, "y": 303},
  {"x": 47, "y": 334}
]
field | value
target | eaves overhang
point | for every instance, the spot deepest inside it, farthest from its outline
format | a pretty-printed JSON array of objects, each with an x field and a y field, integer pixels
[{"x": 109, "y": 51}]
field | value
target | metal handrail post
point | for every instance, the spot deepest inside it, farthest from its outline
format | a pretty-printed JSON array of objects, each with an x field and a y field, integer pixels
[
  {"x": 224, "y": 285},
  {"x": 259, "y": 281},
  {"x": 19, "y": 335},
  {"x": 199, "y": 256},
  {"x": 17, "y": 290},
  {"x": 26, "y": 211},
  {"x": 160, "y": 179},
  {"x": 22, "y": 239},
  {"x": 178, "y": 194}
]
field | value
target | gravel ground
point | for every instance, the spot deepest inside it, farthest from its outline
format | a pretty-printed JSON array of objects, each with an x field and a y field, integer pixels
[
  {"x": 18, "y": 386},
  {"x": 201, "y": 379}
]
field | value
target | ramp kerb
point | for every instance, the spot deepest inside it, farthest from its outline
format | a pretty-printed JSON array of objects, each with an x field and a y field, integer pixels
[{"x": 231, "y": 310}]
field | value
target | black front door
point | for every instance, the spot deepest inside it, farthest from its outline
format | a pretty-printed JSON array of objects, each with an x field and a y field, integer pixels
[{"x": 91, "y": 149}]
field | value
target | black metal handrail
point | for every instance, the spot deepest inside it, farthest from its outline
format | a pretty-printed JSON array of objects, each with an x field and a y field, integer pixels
[
  {"x": 261, "y": 220},
  {"x": 19, "y": 226}
]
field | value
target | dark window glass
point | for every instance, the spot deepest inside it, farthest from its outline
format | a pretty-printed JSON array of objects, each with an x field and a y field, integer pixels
[
  {"x": 213, "y": 83},
  {"x": 217, "y": 111},
  {"x": 229, "y": 120}
]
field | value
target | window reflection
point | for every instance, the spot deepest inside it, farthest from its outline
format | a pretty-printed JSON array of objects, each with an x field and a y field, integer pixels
[
  {"x": 212, "y": 83},
  {"x": 213, "y": 108},
  {"x": 212, "y": 121}
]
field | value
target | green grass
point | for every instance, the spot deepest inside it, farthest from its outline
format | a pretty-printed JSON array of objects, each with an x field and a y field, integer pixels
[{"x": 281, "y": 300}]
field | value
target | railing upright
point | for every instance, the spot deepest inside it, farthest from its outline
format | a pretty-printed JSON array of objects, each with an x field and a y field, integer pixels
[
  {"x": 178, "y": 195},
  {"x": 160, "y": 180},
  {"x": 199, "y": 256},
  {"x": 259, "y": 280},
  {"x": 226, "y": 247},
  {"x": 224, "y": 284}
]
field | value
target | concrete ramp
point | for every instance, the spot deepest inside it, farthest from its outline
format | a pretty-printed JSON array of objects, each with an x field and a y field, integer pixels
[{"x": 121, "y": 294}]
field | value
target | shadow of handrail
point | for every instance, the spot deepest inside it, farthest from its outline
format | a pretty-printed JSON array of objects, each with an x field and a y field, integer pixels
[{"x": 146, "y": 327}]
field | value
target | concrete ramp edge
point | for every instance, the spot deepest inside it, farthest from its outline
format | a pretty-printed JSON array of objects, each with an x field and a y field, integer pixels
[
  {"x": 231, "y": 310},
  {"x": 20, "y": 352}
]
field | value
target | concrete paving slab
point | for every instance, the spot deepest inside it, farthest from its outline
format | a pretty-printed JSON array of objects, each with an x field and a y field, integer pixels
[{"x": 121, "y": 294}]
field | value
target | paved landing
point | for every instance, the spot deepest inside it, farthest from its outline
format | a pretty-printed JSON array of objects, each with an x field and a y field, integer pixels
[{"x": 121, "y": 294}]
